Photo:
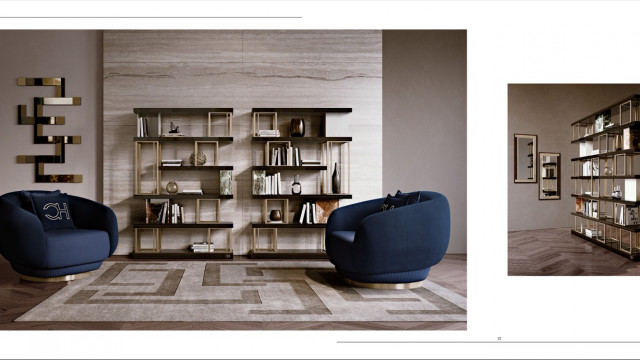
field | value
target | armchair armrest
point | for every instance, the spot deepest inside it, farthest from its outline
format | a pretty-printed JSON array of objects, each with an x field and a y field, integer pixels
[
  {"x": 22, "y": 237},
  {"x": 408, "y": 237},
  {"x": 348, "y": 218},
  {"x": 88, "y": 214}
]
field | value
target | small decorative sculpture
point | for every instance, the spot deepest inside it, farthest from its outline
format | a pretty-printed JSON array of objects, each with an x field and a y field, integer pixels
[
  {"x": 202, "y": 159},
  {"x": 174, "y": 129}
]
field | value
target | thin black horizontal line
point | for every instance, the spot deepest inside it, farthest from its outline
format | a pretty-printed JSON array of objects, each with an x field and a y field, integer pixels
[
  {"x": 489, "y": 342},
  {"x": 150, "y": 17}
]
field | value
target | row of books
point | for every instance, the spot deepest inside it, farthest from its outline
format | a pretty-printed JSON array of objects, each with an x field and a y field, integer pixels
[
  {"x": 143, "y": 127},
  {"x": 587, "y": 168},
  {"x": 172, "y": 162},
  {"x": 272, "y": 184},
  {"x": 201, "y": 247},
  {"x": 307, "y": 213},
  {"x": 288, "y": 156},
  {"x": 625, "y": 215},
  {"x": 269, "y": 133},
  {"x": 164, "y": 212}
]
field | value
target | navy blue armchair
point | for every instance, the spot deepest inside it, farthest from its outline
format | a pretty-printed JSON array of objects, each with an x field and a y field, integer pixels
[
  {"x": 55, "y": 254},
  {"x": 388, "y": 249}
]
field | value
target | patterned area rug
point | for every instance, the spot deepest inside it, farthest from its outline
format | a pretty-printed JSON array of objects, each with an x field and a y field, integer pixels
[{"x": 239, "y": 291}]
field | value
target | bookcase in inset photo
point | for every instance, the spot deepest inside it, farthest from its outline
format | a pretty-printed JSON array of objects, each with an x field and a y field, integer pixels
[
  {"x": 177, "y": 173},
  {"x": 606, "y": 179},
  {"x": 294, "y": 162}
]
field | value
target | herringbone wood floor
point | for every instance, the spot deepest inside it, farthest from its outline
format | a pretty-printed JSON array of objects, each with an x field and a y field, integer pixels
[
  {"x": 17, "y": 297},
  {"x": 557, "y": 252}
]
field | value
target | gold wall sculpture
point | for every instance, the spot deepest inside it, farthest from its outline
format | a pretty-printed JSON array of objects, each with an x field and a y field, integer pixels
[{"x": 39, "y": 120}]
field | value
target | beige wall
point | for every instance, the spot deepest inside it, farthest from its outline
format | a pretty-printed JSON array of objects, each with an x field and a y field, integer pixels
[
  {"x": 76, "y": 56},
  {"x": 548, "y": 111},
  {"x": 425, "y": 119},
  {"x": 242, "y": 70}
]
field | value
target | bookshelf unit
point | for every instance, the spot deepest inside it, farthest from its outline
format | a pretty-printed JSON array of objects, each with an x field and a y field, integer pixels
[
  {"x": 326, "y": 151},
  {"x": 153, "y": 144},
  {"x": 606, "y": 179}
]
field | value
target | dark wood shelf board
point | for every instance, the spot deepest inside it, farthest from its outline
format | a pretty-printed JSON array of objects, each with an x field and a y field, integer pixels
[
  {"x": 304, "y": 196},
  {"x": 287, "y": 226},
  {"x": 196, "y": 168},
  {"x": 303, "y": 110},
  {"x": 184, "y": 138},
  {"x": 606, "y": 108},
  {"x": 179, "y": 111},
  {"x": 220, "y": 225},
  {"x": 549, "y": 164},
  {"x": 550, "y": 178},
  {"x": 317, "y": 139},
  {"x": 621, "y": 177},
  {"x": 288, "y": 254},
  {"x": 297, "y": 168},
  {"x": 607, "y": 154},
  {"x": 634, "y": 257},
  {"x": 182, "y": 254},
  {"x": 632, "y": 228},
  {"x": 183, "y": 196},
  {"x": 609, "y": 199},
  {"x": 613, "y": 129}
]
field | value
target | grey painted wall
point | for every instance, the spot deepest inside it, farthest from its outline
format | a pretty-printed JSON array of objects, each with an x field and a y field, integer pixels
[
  {"x": 77, "y": 56},
  {"x": 425, "y": 119},
  {"x": 547, "y": 110},
  {"x": 242, "y": 70}
]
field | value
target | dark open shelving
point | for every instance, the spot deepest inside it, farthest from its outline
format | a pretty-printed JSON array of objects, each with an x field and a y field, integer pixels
[
  {"x": 304, "y": 196},
  {"x": 609, "y": 244},
  {"x": 609, "y": 199},
  {"x": 181, "y": 254},
  {"x": 184, "y": 138},
  {"x": 200, "y": 167},
  {"x": 297, "y": 168},
  {"x": 287, "y": 226},
  {"x": 632, "y": 228},
  {"x": 220, "y": 225},
  {"x": 317, "y": 139},
  {"x": 179, "y": 111},
  {"x": 303, "y": 110},
  {"x": 183, "y": 196},
  {"x": 588, "y": 119}
]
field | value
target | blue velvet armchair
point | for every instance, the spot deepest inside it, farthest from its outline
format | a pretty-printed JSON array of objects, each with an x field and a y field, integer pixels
[
  {"x": 388, "y": 249},
  {"x": 55, "y": 254}
]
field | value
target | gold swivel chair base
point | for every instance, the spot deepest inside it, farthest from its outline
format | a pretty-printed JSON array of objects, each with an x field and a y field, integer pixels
[
  {"x": 54, "y": 279},
  {"x": 384, "y": 286}
]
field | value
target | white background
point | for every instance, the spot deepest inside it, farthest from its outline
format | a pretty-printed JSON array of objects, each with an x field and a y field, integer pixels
[{"x": 508, "y": 42}]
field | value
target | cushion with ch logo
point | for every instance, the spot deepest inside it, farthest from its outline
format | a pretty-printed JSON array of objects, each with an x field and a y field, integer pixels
[{"x": 54, "y": 212}]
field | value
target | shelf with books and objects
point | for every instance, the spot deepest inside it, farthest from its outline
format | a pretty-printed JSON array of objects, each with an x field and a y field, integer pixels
[
  {"x": 549, "y": 176},
  {"x": 605, "y": 177},
  {"x": 177, "y": 173},
  {"x": 301, "y": 168}
]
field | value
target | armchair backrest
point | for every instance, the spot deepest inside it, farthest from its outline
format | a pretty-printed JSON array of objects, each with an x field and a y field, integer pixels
[{"x": 15, "y": 198}]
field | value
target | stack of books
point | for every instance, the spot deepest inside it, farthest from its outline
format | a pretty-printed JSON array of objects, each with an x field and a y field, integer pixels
[
  {"x": 192, "y": 192},
  {"x": 592, "y": 233},
  {"x": 201, "y": 247},
  {"x": 272, "y": 185},
  {"x": 172, "y": 162},
  {"x": 310, "y": 162},
  {"x": 269, "y": 133},
  {"x": 307, "y": 214},
  {"x": 164, "y": 212},
  {"x": 143, "y": 127}
]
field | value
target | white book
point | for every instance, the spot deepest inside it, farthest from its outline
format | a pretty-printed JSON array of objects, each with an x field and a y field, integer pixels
[
  {"x": 314, "y": 219},
  {"x": 303, "y": 212},
  {"x": 308, "y": 206},
  {"x": 267, "y": 183},
  {"x": 297, "y": 154},
  {"x": 279, "y": 184}
]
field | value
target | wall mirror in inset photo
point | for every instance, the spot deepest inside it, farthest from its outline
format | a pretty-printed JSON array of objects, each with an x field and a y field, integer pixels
[
  {"x": 524, "y": 161},
  {"x": 549, "y": 188}
]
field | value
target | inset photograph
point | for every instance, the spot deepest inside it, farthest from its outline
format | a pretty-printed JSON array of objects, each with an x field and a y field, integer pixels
[{"x": 574, "y": 179}]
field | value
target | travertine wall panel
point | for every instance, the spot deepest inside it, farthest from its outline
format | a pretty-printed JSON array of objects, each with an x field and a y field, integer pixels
[{"x": 242, "y": 70}]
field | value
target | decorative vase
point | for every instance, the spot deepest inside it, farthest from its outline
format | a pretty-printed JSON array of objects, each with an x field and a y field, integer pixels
[
  {"x": 172, "y": 187},
  {"x": 202, "y": 159},
  {"x": 296, "y": 188},
  {"x": 335, "y": 180},
  {"x": 297, "y": 127},
  {"x": 275, "y": 215}
]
